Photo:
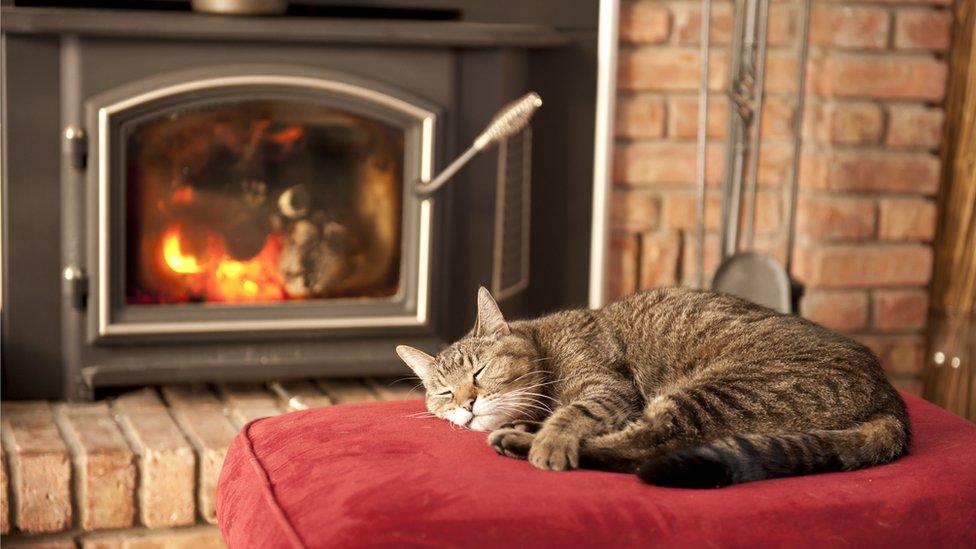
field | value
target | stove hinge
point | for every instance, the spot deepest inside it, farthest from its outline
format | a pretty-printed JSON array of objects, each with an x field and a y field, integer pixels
[
  {"x": 75, "y": 289},
  {"x": 75, "y": 146}
]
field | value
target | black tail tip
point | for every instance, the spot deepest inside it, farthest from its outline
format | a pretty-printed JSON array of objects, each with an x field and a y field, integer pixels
[{"x": 685, "y": 470}]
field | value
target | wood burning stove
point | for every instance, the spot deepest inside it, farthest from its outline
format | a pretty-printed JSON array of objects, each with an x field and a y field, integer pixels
[
  {"x": 235, "y": 198},
  {"x": 257, "y": 199}
]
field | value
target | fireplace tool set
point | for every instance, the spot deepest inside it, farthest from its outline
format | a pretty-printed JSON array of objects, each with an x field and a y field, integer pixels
[{"x": 742, "y": 270}]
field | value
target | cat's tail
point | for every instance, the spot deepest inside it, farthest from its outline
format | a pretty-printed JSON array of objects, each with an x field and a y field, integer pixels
[{"x": 744, "y": 458}]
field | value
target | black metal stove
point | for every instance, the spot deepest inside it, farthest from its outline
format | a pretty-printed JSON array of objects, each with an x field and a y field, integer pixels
[{"x": 191, "y": 197}]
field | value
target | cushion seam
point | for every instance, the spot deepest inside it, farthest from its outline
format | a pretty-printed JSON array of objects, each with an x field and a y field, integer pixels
[{"x": 268, "y": 490}]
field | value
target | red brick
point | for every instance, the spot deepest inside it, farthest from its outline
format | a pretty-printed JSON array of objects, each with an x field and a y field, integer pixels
[
  {"x": 634, "y": 211},
  {"x": 781, "y": 71},
  {"x": 46, "y": 542},
  {"x": 901, "y": 355},
  {"x": 773, "y": 245},
  {"x": 687, "y": 24},
  {"x": 915, "y": 126},
  {"x": 344, "y": 391},
  {"x": 211, "y": 433},
  {"x": 907, "y": 219},
  {"x": 298, "y": 395},
  {"x": 683, "y": 116},
  {"x": 689, "y": 258},
  {"x": 864, "y": 266},
  {"x": 838, "y": 310},
  {"x": 917, "y": 29},
  {"x": 880, "y": 77},
  {"x": 910, "y": 2},
  {"x": 190, "y": 396},
  {"x": 664, "y": 163},
  {"x": 40, "y": 468},
  {"x": 640, "y": 117},
  {"x": 193, "y": 537},
  {"x": 145, "y": 399},
  {"x": 105, "y": 475},
  {"x": 394, "y": 389},
  {"x": 775, "y": 162},
  {"x": 777, "y": 122},
  {"x": 644, "y": 22},
  {"x": 777, "y": 118},
  {"x": 914, "y": 173},
  {"x": 246, "y": 402},
  {"x": 659, "y": 254},
  {"x": 849, "y": 27},
  {"x": 849, "y": 123},
  {"x": 900, "y": 309},
  {"x": 673, "y": 164},
  {"x": 167, "y": 468},
  {"x": 666, "y": 69},
  {"x": 236, "y": 394},
  {"x": 241, "y": 416},
  {"x": 826, "y": 218},
  {"x": 679, "y": 212},
  {"x": 623, "y": 264}
]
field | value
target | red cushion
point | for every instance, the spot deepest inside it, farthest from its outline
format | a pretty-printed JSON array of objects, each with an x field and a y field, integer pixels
[{"x": 371, "y": 475}]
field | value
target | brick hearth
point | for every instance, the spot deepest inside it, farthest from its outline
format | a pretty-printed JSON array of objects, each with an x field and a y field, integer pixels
[{"x": 140, "y": 469}]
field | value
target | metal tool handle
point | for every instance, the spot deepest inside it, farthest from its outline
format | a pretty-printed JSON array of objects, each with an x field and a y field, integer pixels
[
  {"x": 511, "y": 119},
  {"x": 702, "y": 146},
  {"x": 797, "y": 131}
]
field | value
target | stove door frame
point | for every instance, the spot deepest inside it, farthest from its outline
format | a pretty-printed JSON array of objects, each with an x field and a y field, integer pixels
[{"x": 110, "y": 319}]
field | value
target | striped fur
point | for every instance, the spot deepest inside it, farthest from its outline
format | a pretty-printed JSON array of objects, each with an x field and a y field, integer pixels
[{"x": 683, "y": 387}]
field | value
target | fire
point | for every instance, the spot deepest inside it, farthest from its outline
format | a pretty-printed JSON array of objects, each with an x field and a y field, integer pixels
[
  {"x": 223, "y": 278},
  {"x": 174, "y": 257}
]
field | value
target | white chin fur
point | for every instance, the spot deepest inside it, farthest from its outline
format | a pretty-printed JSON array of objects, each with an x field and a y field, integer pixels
[
  {"x": 460, "y": 416},
  {"x": 486, "y": 423}
]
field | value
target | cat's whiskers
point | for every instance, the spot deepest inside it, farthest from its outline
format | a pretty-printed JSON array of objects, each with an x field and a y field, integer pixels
[
  {"x": 521, "y": 402},
  {"x": 522, "y": 376},
  {"x": 404, "y": 378},
  {"x": 523, "y": 392}
]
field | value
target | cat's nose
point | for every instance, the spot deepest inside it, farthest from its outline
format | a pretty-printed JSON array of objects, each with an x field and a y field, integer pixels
[{"x": 468, "y": 404}]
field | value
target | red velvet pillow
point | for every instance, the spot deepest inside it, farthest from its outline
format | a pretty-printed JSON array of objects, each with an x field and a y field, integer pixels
[{"x": 369, "y": 475}]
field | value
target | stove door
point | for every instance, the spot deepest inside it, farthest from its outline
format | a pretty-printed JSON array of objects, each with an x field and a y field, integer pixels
[{"x": 257, "y": 200}]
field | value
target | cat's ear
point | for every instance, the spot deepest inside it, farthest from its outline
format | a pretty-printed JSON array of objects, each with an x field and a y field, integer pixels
[
  {"x": 490, "y": 321},
  {"x": 420, "y": 362}
]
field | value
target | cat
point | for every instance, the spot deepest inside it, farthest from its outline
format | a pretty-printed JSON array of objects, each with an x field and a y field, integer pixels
[{"x": 686, "y": 388}]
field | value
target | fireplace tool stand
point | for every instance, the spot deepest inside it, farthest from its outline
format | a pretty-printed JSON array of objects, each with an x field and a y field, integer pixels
[{"x": 742, "y": 270}]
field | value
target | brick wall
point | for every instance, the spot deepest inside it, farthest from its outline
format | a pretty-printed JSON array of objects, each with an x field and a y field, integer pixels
[{"x": 869, "y": 170}]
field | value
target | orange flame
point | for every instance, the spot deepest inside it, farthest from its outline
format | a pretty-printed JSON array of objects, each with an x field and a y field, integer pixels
[
  {"x": 174, "y": 256},
  {"x": 226, "y": 279}
]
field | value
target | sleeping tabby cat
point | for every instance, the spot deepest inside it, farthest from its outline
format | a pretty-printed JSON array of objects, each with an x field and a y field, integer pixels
[{"x": 683, "y": 387}]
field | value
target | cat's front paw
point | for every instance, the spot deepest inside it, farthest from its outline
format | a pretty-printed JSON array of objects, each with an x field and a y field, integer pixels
[
  {"x": 511, "y": 442},
  {"x": 554, "y": 452},
  {"x": 526, "y": 425}
]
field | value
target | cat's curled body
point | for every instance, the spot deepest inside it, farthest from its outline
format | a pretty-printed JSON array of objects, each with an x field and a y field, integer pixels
[{"x": 684, "y": 387}]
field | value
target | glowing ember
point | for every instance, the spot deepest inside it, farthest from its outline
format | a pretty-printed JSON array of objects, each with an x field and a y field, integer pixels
[
  {"x": 175, "y": 258},
  {"x": 256, "y": 279},
  {"x": 226, "y": 279}
]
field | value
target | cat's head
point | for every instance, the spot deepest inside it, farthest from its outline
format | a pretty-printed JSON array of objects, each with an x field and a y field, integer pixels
[{"x": 487, "y": 378}]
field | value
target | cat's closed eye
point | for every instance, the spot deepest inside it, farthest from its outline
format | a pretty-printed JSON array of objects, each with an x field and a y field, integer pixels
[{"x": 478, "y": 372}]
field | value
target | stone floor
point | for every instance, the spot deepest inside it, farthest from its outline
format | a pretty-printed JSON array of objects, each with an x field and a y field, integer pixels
[{"x": 140, "y": 469}]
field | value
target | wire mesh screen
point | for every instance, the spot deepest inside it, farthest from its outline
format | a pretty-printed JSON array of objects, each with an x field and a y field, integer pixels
[{"x": 510, "y": 272}]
